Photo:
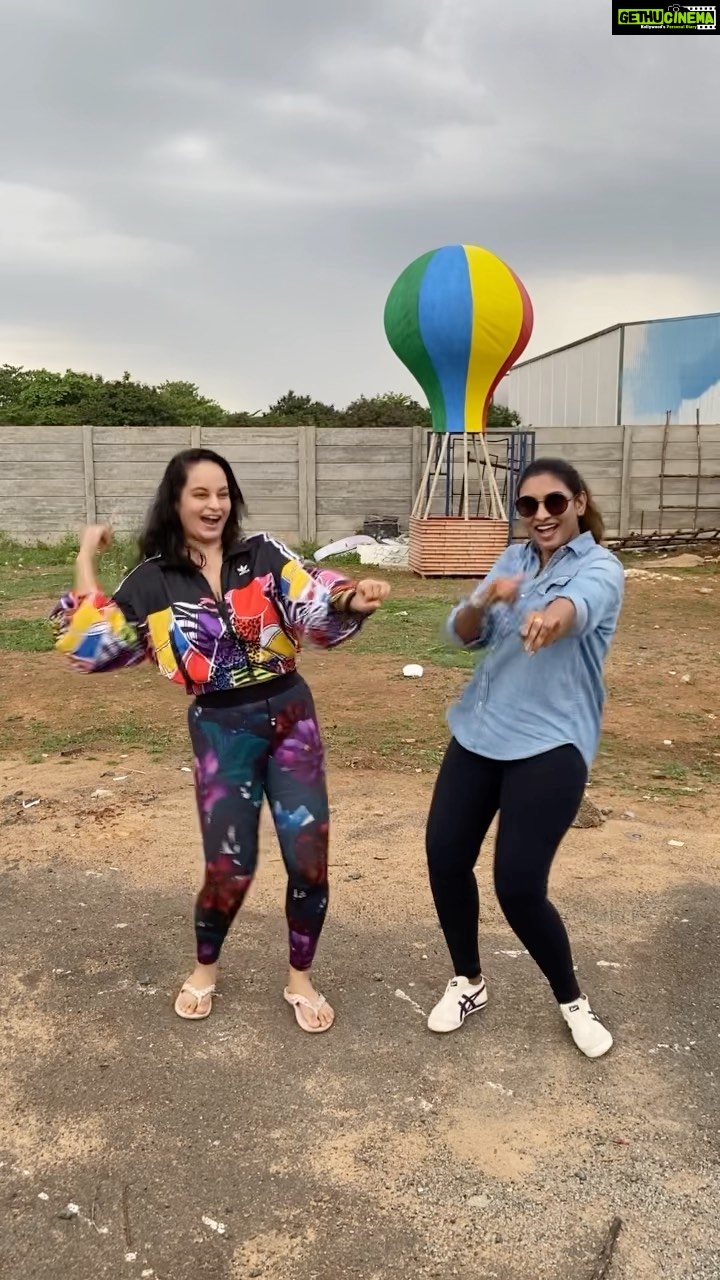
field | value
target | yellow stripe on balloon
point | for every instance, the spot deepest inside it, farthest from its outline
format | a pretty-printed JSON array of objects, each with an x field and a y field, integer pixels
[{"x": 497, "y": 318}]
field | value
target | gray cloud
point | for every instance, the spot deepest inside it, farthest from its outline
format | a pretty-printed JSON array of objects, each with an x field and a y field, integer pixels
[{"x": 227, "y": 191}]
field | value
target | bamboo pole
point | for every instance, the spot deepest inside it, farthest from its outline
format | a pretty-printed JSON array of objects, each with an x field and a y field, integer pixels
[
  {"x": 499, "y": 510},
  {"x": 418, "y": 498},
  {"x": 465, "y": 475},
  {"x": 483, "y": 492},
  {"x": 441, "y": 459}
]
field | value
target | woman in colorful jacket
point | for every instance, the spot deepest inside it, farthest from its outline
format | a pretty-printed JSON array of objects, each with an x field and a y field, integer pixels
[
  {"x": 525, "y": 733},
  {"x": 223, "y": 615}
]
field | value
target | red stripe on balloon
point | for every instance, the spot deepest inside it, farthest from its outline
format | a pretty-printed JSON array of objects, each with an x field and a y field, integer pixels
[{"x": 526, "y": 328}]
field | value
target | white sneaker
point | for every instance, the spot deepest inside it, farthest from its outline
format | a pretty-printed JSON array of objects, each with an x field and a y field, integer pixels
[
  {"x": 588, "y": 1032},
  {"x": 461, "y": 999}
]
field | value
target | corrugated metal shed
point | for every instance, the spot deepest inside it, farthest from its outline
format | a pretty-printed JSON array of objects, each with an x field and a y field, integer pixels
[{"x": 632, "y": 373}]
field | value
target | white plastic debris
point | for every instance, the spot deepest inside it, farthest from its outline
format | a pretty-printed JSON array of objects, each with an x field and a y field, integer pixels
[
  {"x": 218, "y": 1227},
  {"x": 344, "y": 545},
  {"x": 676, "y": 844},
  {"x": 413, "y": 671},
  {"x": 391, "y": 554},
  {"x": 30, "y": 804},
  {"x": 100, "y": 794}
]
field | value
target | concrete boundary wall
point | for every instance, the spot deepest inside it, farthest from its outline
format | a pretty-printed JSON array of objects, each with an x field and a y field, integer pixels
[{"x": 309, "y": 484}]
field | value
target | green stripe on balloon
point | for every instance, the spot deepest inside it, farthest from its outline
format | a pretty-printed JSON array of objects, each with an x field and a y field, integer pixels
[{"x": 402, "y": 328}]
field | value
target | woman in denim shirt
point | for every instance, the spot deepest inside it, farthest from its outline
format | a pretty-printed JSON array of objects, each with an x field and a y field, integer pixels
[{"x": 524, "y": 736}]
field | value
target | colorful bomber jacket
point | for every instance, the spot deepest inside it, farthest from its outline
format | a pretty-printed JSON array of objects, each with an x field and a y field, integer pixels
[{"x": 270, "y": 600}]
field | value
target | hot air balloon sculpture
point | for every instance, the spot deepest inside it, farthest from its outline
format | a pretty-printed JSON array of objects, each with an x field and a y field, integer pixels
[{"x": 458, "y": 318}]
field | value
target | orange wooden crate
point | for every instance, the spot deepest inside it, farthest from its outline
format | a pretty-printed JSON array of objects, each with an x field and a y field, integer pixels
[{"x": 450, "y": 547}]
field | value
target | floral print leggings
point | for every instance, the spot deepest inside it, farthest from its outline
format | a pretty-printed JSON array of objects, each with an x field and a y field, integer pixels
[{"x": 243, "y": 752}]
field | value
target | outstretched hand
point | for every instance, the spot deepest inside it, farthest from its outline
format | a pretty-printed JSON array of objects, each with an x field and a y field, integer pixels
[
  {"x": 369, "y": 595},
  {"x": 501, "y": 591},
  {"x": 544, "y": 627},
  {"x": 95, "y": 538}
]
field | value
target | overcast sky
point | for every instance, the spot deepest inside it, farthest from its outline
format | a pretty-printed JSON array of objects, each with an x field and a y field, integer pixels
[{"x": 225, "y": 190}]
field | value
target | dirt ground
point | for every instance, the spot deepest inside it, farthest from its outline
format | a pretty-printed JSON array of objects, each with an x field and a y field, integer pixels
[{"x": 132, "y": 1144}]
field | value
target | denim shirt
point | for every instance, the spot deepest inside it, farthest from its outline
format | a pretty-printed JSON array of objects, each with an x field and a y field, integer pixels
[{"x": 519, "y": 705}]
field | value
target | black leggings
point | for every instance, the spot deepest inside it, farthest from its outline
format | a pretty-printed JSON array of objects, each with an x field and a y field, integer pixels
[{"x": 538, "y": 800}]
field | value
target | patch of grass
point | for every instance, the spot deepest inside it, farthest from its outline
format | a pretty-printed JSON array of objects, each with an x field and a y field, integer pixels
[
  {"x": 44, "y": 570},
  {"x": 630, "y": 768},
  {"x": 672, "y": 772},
  {"x": 22, "y": 555},
  {"x": 18, "y": 584},
  {"x": 25, "y": 635},
  {"x": 43, "y": 739},
  {"x": 414, "y": 629},
  {"x": 388, "y": 746}
]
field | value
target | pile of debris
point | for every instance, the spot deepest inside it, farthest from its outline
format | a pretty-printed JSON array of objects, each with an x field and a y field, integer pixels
[{"x": 380, "y": 543}]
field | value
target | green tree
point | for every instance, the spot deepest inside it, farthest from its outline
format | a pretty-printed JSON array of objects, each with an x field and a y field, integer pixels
[
  {"x": 124, "y": 403},
  {"x": 46, "y": 397},
  {"x": 12, "y": 380},
  {"x": 500, "y": 418},
  {"x": 245, "y": 419},
  {"x": 295, "y": 408},
  {"x": 189, "y": 408},
  {"x": 390, "y": 410},
  {"x": 43, "y": 397}
]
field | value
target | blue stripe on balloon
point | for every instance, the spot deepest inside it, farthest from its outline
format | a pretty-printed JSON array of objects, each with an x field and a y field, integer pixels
[{"x": 445, "y": 315}]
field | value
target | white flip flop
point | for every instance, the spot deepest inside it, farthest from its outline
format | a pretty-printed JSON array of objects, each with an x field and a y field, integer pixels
[
  {"x": 200, "y": 994},
  {"x": 299, "y": 1003}
]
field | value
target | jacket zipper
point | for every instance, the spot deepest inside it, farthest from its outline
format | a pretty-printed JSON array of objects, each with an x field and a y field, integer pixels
[{"x": 223, "y": 612}]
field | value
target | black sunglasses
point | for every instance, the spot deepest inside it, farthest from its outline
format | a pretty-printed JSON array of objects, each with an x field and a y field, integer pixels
[{"x": 556, "y": 504}]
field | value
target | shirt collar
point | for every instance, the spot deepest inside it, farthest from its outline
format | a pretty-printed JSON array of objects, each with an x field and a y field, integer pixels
[
  {"x": 582, "y": 544},
  {"x": 579, "y": 546}
]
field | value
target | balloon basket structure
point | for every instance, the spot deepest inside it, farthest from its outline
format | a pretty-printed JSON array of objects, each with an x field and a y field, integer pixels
[
  {"x": 465, "y": 536},
  {"x": 448, "y": 547}
]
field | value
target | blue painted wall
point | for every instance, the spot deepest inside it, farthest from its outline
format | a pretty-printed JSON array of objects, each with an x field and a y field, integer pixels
[{"x": 671, "y": 365}]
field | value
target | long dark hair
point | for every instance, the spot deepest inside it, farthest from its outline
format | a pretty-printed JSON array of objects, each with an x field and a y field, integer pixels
[
  {"x": 591, "y": 520},
  {"x": 163, "y": 532}
]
